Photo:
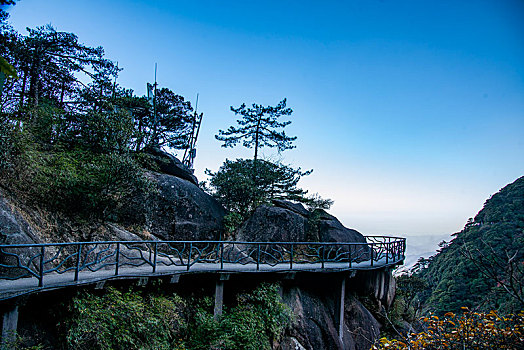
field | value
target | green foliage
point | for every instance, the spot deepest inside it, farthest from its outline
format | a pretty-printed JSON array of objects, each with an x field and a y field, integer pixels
[
  {"x": 124, "y": 321},
  {"x": 133, "y": 320},
  {"x": 258, "y": 318},
  {"x": 80, "y": 182},
  {"x": 241, "y": 187},
  {"x": 483, "y": 267},
  {"x": 232, "y": 222},
  {"x": 69, "y": 134},
  {"x": 259, "y": 127}
]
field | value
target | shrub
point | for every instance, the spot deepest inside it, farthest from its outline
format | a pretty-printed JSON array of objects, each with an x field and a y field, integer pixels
[
  {"x": 471, "y": 330},
  {"x": 84, "y": 183},
  {"x": 124, "y": 320},
  {"x": 258, "y": 318}
]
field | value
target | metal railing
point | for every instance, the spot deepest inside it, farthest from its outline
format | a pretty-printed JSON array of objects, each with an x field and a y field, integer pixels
[{"x": 38, "y": 260}]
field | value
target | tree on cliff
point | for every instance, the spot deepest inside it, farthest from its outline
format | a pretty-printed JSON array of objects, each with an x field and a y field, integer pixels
[
  {"x": 233, "y": 185},
  {"x": 259, "y": 127},
  {"x": 242, "y": 185}
]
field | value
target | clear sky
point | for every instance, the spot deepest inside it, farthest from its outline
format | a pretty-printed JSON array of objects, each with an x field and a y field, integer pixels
[{"x": 411, "y": 113}]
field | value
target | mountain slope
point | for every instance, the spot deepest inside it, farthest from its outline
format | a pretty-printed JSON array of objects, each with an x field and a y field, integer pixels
[{"x": 482, "y": 267}]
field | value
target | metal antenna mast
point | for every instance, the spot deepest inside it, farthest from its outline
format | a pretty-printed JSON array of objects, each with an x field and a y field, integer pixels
[{"x": 190, "y": 152}]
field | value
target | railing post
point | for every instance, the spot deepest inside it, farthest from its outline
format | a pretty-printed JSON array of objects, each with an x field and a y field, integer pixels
[
  {"x": 349, "y": 255},
  {"x": 387, "y": 253},
  {"x": 291, "y": 257},
  {"x": 323, "y": 255},
  {"x": 372, "y": 253},
  {"x": 258, "y": 256},
  {"x": 117, "y": 258},
  {"x": 41, "y": 278},
  {"x": 221, "y": 255},
  {"x": 78, "y": 260},
  {"x": 154, "y": 257},
  {"x": 189, "y": 256}
]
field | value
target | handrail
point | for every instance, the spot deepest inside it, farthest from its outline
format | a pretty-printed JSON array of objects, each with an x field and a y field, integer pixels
[{"x": 79, "y": 258}]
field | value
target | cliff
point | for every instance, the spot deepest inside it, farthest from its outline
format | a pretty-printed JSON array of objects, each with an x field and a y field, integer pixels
[{"x": 179, "y": 210}]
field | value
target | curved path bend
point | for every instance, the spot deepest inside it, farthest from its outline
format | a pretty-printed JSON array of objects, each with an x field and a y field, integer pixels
[{"x": 32, "y": 268}]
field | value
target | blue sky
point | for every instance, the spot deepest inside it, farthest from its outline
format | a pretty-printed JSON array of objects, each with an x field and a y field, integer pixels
[{"x": 411, "y": 113}]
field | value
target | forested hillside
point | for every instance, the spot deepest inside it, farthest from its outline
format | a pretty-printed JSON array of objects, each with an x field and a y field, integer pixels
[{"x": 482, "y": 267}]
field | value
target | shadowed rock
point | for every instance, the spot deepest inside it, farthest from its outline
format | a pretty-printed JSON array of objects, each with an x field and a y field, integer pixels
[
  {"x": 170, "y": 165},
  {"x": 177, "y": 210}
]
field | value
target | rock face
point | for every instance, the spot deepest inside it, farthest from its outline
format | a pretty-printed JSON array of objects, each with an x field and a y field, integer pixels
[
  {"x": 179, "y": 210},
  {"x": 379, "y": 284},
  {"x": 315, "y": 325},
  {"x": 274, "y": 224},
  {"x": 313, "y": 300},
  {"x": 291, "y": 222},
  {"x": 14, "y": 229},
  {"x": 170, "y": 165}
]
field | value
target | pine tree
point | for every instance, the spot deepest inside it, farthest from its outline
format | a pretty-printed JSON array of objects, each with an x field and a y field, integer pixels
[{"x": 259, "y": 127}]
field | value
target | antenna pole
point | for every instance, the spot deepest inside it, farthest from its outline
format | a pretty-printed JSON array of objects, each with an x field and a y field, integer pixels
[{"x": 155, "y": 137}]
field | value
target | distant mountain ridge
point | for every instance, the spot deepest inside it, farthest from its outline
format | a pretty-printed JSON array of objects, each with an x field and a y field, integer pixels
[{"x": 482, "y": 268}]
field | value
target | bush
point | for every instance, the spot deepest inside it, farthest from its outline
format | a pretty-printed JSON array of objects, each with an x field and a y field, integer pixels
[
  {"x": 258, "y": 318},
  {"x": 124, "y": 321},
  {"x": 242, "y": 185},
  {"x": 84, "y": 183},
  {"x": 132, "y": 320},
  {"x": 468, "y": 331}
]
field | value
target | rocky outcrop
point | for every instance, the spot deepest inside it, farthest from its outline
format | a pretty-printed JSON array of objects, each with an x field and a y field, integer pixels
[
  {"x": 314, "y": 301},
  {"x": 291, "y": 222},
  {"x": 315, "y": 325},
  {"x": 14, "y": 229},
  {"x": 274, "y": 224},
  {"x": 176, "y": 210},
  {"x": 170, "y": 165}
]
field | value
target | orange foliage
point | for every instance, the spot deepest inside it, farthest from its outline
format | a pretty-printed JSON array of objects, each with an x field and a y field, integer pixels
[{"x": 471, "y": 330}]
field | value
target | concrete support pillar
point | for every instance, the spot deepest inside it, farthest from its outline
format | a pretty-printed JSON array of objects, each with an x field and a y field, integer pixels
[
  {"x": 339, "y": 310},
  {"x": 219, "y": 295},
  {"x": 219, "y": 298},
  {"x": 9, "y": 325}
]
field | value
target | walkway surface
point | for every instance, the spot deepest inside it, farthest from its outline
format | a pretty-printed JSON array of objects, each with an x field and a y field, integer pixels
[{"x": 26, "y": 269}]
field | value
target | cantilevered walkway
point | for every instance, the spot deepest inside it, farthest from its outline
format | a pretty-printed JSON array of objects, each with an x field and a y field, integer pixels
[{"x": 32, "y": 268}]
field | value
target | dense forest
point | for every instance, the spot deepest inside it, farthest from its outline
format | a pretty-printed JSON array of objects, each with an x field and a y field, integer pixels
[
  {"x": 482, "y": 268},
  {"x": 471, "y": 293}
]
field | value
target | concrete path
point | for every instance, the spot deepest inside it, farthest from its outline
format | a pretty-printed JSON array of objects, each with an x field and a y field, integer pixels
[{"x": 13, "y": 288}]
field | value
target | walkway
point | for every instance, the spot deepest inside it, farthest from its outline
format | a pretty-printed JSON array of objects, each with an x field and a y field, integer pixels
[{"x": 33, "y": 268}]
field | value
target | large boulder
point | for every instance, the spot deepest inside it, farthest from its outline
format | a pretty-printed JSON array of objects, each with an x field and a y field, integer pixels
[
  {"x": 274, "y": 224},
  {"x": 330, "y": 229},
  {"x": 170, "y": 165},
  {"x": 291, "y": 222},
  {"x": 176, "y": 210}
]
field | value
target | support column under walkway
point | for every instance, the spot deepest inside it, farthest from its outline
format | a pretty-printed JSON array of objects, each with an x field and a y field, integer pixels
[
  {"x": 9, "y": 326},
  {"x": 219, "y": 295},
  {"x": 339, "y": 309}
]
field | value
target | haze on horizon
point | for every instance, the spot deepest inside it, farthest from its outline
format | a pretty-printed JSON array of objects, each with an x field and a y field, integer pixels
[{"x": 410, "y": 113}]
